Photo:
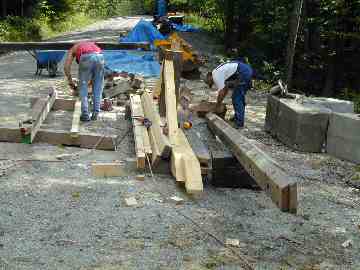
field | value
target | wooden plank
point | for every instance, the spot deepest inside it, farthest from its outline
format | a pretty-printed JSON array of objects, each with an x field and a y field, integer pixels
[
  {"x": 170, "y": 100},
  {"x": 84, "y": 140},
  {"x": 76, "y": 120},
  {"x": 40, "y": 111},
  {"x": 60, "y": 104},
  {"x": 155, "y": 131},
  {"x": 10, "y": 134},
  {"x": 177, "y": 58},
  {"x": 141, "y": 137},
  {"x": 107, "y": 170},
  {"x": 185, "y": 167},
  {"x": 61, "y": 137},
  {"x": 56, "y": 45},
  {"x": 205, "y": 107},
  {"x": 264, "y": 170}
]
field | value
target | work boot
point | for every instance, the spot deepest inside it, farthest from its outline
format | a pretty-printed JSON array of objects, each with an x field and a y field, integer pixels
[
  {"x": 84, "y": 118},
  {"x": 94, "y": 116}
]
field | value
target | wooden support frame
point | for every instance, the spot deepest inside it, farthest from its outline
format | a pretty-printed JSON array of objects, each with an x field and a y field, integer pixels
[
  {"x": 265, "y": 171},
  {"x": 56, "y": 45},
  {"x": 141, "y": 136},
  {"x": 160, "y": 144}
]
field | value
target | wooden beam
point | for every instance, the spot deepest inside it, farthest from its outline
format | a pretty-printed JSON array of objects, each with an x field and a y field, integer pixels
[
  {"x": 157, "y": 137},
  {"x": 266, "y": 172},
  {"x": 170, "y": 100},
  {"x": 108, "y": 170},
  {"x": 177, "y": 58},
  {"x": 139, "y": 130},
  {"x": 56, "y": 45},
  {"x": 40, "y": 111},
  {"x": 60, "y": 104},
  {"x": 75, "y": 126},
  {"x": 61, "y": 137},
  {"x": 185, "y": 166},
  {"x": 204, "y": 107}
]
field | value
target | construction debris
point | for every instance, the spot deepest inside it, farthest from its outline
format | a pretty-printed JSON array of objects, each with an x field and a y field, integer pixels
[
  {"x": 177, "y": 200},
  {"x": 131, "y": 202}
]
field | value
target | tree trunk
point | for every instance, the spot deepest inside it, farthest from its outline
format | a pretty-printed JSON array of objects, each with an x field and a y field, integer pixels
[
  {"x": 328, "y": 90},
  {"x": 293, "y": 33},
  {"x": 3, "y": 8}
]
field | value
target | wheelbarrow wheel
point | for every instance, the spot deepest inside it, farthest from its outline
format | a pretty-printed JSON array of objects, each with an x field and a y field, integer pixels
[{"x": 52, "y": 69}]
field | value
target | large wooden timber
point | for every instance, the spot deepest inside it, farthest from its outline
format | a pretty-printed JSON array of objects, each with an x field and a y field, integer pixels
[
  {"x": 159, "y": 142},
  {"x": 266, "y": 172},
  {"x": 61, "y": 137},
  {"x": 185, "y": 166},
  {"x": 56, "y": 45},
  {"x": 39, "y": 112},
  {"x": 60, "y": 104},
  {"x": 139, "y": 130},
  {"x": 170, "y": 100}
]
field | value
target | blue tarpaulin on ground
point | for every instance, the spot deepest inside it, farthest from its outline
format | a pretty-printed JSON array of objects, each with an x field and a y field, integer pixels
[
  {"x": 143, "y": 31},
  {"x": 184, "y": 27},
  {"x": 137, "y": 62}
]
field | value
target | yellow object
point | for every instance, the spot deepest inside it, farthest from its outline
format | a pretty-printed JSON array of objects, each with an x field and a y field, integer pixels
[
  {"x": 187, "y": 125},
  {"x": 175, "y": 42}
]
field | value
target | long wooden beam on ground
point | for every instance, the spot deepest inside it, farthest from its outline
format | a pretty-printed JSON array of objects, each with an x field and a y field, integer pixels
[
  {"x": 56, "y": 45},
  {"x": 39, "y": 113},
  {"x": 170, "y": 100},
  {"x": 61, "y": 137},
  {"x": 185, "y": 166},
  {"x": 141, "y": 136},
  {"x": 159, "y": 142},
  {"x": 60, "y": 104},
  {"x": 266, "y": 172},
  {"x": 75, "y": 126}
]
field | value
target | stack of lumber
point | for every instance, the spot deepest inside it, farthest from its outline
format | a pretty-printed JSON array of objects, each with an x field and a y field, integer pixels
[{"x": 173, "y": 145}]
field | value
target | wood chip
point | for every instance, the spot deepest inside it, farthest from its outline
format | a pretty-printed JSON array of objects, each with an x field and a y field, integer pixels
[
  {"x": 232, "y": 242},
  {"x": 347, "y": 243},
  {"x": 140, "y": 177},
  {"x": 131, "y": 202},
  {"x": 177, "y": 200}
]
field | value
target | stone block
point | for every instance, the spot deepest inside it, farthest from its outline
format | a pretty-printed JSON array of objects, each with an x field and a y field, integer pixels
[
  {"x": 299, "y": 125},
  {"x": 335, "y": 105},
  {"x": 343, "y": 137}
]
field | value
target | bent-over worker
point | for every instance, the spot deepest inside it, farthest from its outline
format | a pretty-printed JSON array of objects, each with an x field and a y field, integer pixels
[
  {"x": 91, "y": 68},
  {"x": 237, "y": 74}
]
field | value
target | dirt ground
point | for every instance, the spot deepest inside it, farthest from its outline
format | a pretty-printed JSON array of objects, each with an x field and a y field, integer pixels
[{"x": 55, "y": 215}]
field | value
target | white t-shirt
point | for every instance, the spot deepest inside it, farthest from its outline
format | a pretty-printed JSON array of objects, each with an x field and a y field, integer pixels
[{"x": 222, "y": 73}]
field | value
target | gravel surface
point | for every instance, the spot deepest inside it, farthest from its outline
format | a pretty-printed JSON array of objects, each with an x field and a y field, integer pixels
[{"x": 55, "y": 215}]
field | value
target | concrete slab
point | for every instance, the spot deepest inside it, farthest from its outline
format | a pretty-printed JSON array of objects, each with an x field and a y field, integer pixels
[
  {"x": 300, "y": 125},
  {"x": 335, "y": 105},
  {"x": 343, "y": 137}
]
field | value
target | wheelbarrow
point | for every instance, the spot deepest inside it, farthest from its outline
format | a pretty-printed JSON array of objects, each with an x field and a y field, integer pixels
[{"x": 47, "y": 60}]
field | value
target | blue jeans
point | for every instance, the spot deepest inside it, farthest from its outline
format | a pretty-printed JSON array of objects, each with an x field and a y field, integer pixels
[
  {"x": 91, "y": 67},
  {"x": 238, "y": 100}
]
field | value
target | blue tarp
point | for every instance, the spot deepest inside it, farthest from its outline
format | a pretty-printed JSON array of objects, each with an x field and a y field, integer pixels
[
  {"x": 44, "y": 57},
  {"x": 137, "y": 62},
  {"x": 143, "y": 31},
  {"x": 184, "y": 27}
]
